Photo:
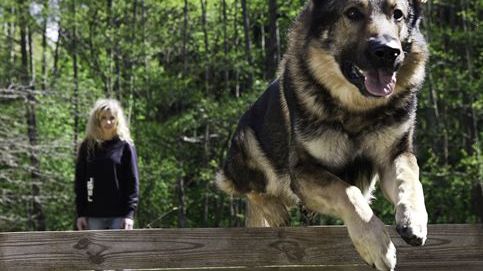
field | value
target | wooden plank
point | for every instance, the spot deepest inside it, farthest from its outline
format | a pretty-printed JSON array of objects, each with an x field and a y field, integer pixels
[
  {"x": 449, "y": 247},
  {"x": 432, "y": 267}
]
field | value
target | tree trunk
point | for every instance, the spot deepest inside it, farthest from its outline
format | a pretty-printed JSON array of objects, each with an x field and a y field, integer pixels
[
  {"x": 117, "y": 67},
  {"x": 235, "y": 44},
  {"x": 129, "y": 62},
  {"x": 10, "y": 45},
  {"x": 55, "y": 66},
  {"x": 32, "y": 73},
  {"x": 471, "y": 122},
  {"x": 240, "y": 209},
  {"x": 43, "y": 84},
  {"x": 75, "y": 96},
  {"x": 248, "y": 54},
  {"x": 205, "y": 39},
  {"x": 37, "y": 217},
  {"x": 477, "y": 199},
  {"x": 121, "y": 55},
  {"x": 225, "y": 49},
  {"x": 109, "y": 50},
  {"x": 468, "y": 99},
  {"x": 143, "y": 38},
  {"x": 219, "y": 208},
  {"x": 273, "y": 44},
  {"x": 206, "y": 164},
  {"x": 232, "y": 217},
  {"x": 181, "y": 203},
  {"x": 185, "y": 37},
  {"x": 434, "y": 115}
]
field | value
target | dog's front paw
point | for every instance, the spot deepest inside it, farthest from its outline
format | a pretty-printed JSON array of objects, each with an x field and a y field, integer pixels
[
  {"x": 374, "y": 245},
  {"x": 411, "y": 224}
]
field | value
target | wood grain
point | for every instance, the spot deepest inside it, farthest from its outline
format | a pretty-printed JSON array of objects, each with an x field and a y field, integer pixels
[{"x": 449, "y": 247}]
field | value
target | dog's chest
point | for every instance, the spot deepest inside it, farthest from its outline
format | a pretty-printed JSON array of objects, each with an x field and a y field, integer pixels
[
  {"x": 337, "y": 148},
  {"x": 331, "y": 147}
]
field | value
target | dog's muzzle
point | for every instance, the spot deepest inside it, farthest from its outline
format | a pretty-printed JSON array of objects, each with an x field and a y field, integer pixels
[
  {"x": 383, "y": 54},
  {"x": 384, "y": 57}
]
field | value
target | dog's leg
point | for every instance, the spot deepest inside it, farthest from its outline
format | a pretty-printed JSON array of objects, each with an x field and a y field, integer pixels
[
  {"x": 265, "y": 211},
  {"x": 400, "y": 183},
  {"x": 254, "y": 215},
  {"x": 326, "y": 193}
]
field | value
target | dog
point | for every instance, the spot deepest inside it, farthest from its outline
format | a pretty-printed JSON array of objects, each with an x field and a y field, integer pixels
[{"x": 338, "y": 119}]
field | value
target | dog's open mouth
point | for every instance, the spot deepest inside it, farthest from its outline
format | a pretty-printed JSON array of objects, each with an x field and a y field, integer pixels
[{"x": 376, "y": 83}]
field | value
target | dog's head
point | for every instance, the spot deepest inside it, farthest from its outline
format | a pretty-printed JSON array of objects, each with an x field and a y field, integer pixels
[{"x": 376, "y": 44}]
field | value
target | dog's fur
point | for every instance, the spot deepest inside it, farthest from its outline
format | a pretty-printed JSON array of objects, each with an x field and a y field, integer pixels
[{"x": 335, "y": 122}]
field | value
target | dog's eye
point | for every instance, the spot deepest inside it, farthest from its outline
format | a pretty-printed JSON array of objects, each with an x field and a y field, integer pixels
[
  {"x": 398, "y": 14},
  {"x": 354, "y": 14}
]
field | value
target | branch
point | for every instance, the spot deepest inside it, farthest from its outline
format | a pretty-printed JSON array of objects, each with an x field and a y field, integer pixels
[{"x": 199, "y": 139}]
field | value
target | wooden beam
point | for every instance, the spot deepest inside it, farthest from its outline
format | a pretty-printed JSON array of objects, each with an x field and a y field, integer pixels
[{"x": 449, "y": 247}]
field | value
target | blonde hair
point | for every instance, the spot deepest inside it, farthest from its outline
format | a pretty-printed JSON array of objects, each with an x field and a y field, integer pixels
[{"x": 93, "y": 129}]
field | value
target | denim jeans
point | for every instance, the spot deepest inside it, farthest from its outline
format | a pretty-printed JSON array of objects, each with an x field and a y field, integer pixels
[{"x": 105, "y": 223}]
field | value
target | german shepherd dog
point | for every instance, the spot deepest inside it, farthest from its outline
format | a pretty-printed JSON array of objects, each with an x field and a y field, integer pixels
[{"x": 339, "y": 117}]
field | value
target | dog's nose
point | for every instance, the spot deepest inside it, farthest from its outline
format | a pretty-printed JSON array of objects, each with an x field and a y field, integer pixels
[{"x": 384, "y": 52}]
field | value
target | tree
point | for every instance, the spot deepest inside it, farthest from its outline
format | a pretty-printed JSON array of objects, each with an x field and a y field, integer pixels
[
  {"x": 248, "y": 53},
  {"x": 273, "y": 43}
]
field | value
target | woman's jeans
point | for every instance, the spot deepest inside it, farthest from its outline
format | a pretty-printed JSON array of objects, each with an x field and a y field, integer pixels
[{"x": 105, "y": 223}]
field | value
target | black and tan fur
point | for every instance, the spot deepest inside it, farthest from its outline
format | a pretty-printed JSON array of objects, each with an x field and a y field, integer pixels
[{"x": 339, "y": 117}]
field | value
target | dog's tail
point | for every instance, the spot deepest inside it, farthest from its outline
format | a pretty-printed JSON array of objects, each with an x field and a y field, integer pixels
[{"x": 224, "y": 184}]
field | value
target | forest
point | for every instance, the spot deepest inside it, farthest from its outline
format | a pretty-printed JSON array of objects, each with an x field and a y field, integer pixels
[{"x": 185, "y": 71}]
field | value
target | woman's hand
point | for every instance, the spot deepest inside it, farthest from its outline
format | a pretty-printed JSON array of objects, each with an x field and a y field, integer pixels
[
  {"x": 81, "y": 223},
  {"x": 128, "y": 224}
]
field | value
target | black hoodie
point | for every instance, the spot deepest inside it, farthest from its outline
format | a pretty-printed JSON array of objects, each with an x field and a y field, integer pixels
[{"x": 106, "y": 180}]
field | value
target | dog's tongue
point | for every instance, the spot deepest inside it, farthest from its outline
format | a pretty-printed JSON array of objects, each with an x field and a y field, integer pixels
[{"x": 380, "y": 83}]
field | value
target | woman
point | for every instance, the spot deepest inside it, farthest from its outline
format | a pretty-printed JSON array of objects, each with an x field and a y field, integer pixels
[{"x": 106, "y": 176}]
